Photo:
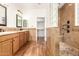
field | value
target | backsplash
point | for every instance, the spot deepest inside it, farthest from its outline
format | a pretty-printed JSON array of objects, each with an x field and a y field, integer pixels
[{"x": 3, "y": 28}]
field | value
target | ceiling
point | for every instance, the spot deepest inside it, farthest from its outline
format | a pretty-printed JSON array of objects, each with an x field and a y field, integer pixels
[
  {"x": 32, "y": 5},
  {"x": 61, "y": 5}
]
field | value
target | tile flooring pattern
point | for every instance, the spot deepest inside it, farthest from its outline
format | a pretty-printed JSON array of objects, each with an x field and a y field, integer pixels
[{"x": 32, "y": 49}]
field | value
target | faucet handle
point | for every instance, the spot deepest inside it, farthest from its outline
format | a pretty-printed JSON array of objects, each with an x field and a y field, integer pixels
[{"x": 1, "y": 30}]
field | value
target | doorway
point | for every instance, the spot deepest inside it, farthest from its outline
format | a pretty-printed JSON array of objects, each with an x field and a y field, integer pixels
[{"x": 40, "y": 29}]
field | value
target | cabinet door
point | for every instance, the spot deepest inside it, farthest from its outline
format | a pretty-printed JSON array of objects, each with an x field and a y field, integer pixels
[
  {"x": 6, "y": 48},
  {"x": 0, "y": 49},
  {"x": 27, "y": 36},
  {"x": 15, "y": 44},
  {"x": 21, "y": 39},
  {"x": 24, "y": 37}
]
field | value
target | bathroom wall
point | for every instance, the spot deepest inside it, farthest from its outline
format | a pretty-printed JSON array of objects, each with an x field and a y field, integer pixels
[
  {"x": 11, "y": 17},
  {"x": 53, "y": 39},
  {"x": 43, "y": 10},
  {"x": 32, "y": 11},
  {"x": 11, "y": 13},
  {"x": 32, "y": 34},
  {"x": 54, "y": 15},
  {"x": 67, "y": 12},
  {"x": 53, "y": 32}
]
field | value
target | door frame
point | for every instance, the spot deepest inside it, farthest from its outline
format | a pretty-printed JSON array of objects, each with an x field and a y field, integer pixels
[{"x": 44, "y": 25}]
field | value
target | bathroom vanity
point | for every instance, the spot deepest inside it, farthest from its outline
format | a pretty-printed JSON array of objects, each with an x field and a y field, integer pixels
[{"x": 11, "y": 42}]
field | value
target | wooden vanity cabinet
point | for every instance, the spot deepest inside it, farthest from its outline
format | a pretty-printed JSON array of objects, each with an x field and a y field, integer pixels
[
  {"x": 23, "y": 37},
  {"x": 19, "y": 39},
  {"x": 15, "y": 42},
  {"x": 11, "y": 43},
  {"x": 6, "y": 45},
  {"x": 27, "y": 36},
  {"x": 6, "y": 48},
  {"x": 0, "y": 49}
]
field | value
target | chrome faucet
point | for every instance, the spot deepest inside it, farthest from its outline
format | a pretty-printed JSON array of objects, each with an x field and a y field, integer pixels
[{"x": 1, "y": 30}]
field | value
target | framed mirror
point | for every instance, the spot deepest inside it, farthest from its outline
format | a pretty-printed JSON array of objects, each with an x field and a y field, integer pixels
[
  {"x": 24, "y": 23},
  {"x": 3, "y": 15},
  {"x": 18, "y": 21}
]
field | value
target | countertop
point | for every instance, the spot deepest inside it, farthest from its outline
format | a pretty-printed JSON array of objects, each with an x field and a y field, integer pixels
[{"x": 11, "y": 32}]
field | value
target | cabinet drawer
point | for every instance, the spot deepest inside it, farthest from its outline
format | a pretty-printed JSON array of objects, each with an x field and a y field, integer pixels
[{"x": 6, "y": 37}]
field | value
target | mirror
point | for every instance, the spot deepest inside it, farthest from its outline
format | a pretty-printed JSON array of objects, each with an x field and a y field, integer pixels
[
  {"x": 18, "y": 21},
  {"x": 3, "y": 15},
  {"x": 24, "y": 23}
]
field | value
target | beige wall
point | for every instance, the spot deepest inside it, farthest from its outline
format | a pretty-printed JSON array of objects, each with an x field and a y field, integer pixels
[
  {"x": 53, "y": 38},
  {"x": 68, "y": 13},
  {"x": 32, "y": 34}
]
